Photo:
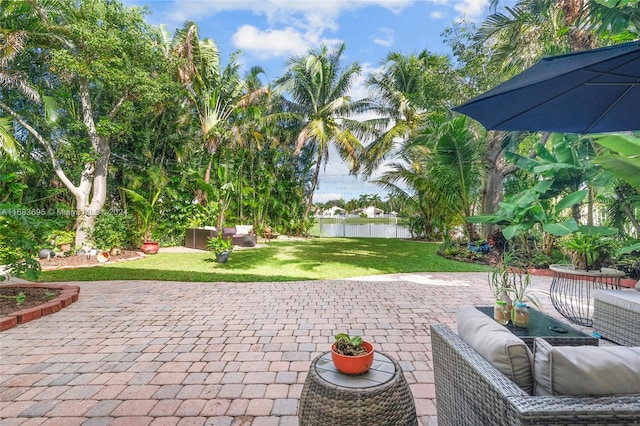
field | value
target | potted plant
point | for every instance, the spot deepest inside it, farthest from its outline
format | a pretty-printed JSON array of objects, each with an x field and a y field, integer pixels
[
  {"x": 221, "y": 247},
  {"x": 351, "y": 355},
  {"x": 145, "y": 210},
  {"x": 62, "y": 239},
  {"x": 520, "y": 288},
  {"x": 499, "y": 284}
]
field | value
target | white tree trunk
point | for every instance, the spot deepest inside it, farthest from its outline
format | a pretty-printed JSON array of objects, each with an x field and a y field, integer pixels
[
  {"x": 94, "y": 177},
  {"x": 314, "y": 184},
  {"x": 91, "y": 192}
]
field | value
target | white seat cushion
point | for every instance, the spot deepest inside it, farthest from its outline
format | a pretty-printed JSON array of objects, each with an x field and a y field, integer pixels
[
  {"x": 585, "y": 370},
  {"x": 626, "y": 299},
  {"x": 505, "y": 351}
]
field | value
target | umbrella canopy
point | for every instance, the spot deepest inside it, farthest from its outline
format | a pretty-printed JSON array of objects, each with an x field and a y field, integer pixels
[{"x": 593, "y": 91}]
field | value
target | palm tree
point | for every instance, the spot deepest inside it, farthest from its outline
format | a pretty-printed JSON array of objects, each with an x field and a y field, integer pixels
[
  {"x": 215, "y": 93},
  {"x": 441, "y": 169},
  {"x": 455, "y": 165},
  {"x": 409, "y": 88},
  {"x": 34, "y": 23},
  {"x": 319, "y": 105},
  {"x": 406, "y": 179}
]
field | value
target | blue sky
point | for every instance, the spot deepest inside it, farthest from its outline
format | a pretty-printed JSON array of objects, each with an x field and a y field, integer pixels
[{"x": 268, "y": 32}]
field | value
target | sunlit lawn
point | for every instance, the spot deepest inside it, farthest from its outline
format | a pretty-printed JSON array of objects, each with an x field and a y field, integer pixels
[{"x": 284, "y": 260}]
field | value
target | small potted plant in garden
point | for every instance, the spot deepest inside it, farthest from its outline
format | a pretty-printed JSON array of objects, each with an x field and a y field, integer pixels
[
  {"x": 62, "y": 239},
  {"x": 145, "y": 204},
  {"x": 351, "y": 355},
  {"x": 220, "y": 247}
]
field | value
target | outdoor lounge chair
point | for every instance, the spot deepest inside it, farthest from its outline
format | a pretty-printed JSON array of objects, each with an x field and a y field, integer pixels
[{"x": 471, "y": 391}]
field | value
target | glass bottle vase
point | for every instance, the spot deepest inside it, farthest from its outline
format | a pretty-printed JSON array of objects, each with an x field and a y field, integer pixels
[
  {"x": 500, "y": 312},
  {"x": 520, "y": 315}
]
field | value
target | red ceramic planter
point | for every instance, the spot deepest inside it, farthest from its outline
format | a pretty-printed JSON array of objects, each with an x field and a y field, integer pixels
[
  {"x": 150, "y": 247},
  {"x": 353, "y": 364}
]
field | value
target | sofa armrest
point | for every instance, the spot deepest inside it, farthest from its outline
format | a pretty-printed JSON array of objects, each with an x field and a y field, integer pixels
[{"x": 469, "y": 390}]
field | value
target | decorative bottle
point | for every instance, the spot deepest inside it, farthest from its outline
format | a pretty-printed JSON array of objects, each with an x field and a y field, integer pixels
[
  {"x": 500, "y": 312},
  {"x": 520, "y": 315}
]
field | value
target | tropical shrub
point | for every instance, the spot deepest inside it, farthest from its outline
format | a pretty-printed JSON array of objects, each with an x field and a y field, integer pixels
[
  {"x": 18, "y": 242},
  {"x": 589, "y": 250},
  {"x": 112, "y": 230}
]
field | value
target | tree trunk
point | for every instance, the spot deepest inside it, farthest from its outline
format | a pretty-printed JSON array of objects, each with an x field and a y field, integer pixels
[
  {"x": 201, "y": 196},
  {"x": 93, "y": 182},
  {"x": 578, "y": 38},
  {"x": 628, "y": 212},
  {"x": 590, "y": 204},
  {"x": 314, "y": 183},
  {"x": 494, "y": 184},
  {"x": 575, "y": 212}
]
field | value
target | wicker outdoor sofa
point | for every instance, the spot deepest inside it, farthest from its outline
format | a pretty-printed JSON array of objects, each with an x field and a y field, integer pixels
[
  {"x": 470, "y": 391},
  {"x": 616, "y": 316}
]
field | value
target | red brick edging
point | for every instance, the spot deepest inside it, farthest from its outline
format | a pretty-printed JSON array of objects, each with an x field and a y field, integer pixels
[{"x": 68, "y": 295}]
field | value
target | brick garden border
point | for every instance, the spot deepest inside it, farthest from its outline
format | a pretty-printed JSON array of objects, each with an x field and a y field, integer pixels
[{"x": 68, "y": 295}]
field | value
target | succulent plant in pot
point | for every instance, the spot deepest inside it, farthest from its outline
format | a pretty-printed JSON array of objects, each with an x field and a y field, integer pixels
[{"x": 351, "y": 355}]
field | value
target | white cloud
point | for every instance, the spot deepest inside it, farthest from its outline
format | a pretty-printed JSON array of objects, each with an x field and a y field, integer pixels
[
  {"x": 292, "y": 25},
  {"x": 472, "y": 9},
  {"x": 359, "y": 89},
  {"x": 269, "y": 43},
  {"x": 436, "y": 14},
  {"x": 384, "y": 37}
]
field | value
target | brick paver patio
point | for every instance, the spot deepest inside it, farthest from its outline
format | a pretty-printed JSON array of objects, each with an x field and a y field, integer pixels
[{"x": 162, "y": 353}]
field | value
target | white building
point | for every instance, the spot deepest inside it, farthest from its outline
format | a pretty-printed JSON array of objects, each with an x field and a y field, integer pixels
[{"x": 334, "y": 211}]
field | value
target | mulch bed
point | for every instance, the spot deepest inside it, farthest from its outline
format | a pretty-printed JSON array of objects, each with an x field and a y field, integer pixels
[
  {"x": 82, "y": 261},
  {"x": 41, "y": 300},
  {"x": 35, "y": 296}
]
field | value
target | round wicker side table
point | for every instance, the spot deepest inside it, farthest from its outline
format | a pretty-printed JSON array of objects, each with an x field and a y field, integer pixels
[
  {"x": 379, "y": 397},
  {"x": 571, "y": 290}
]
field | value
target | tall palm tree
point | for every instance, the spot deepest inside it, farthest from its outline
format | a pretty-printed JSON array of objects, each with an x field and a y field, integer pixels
[
  {"x": 215, "y": 93},
  {"x": 405, "y": 92},
  {"x": 318, "y": 103}
]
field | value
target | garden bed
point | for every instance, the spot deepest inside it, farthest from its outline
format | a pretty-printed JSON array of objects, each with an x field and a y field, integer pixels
[
  {"x": 41, "y": 300},
  {"x": 82, "y": 261}
]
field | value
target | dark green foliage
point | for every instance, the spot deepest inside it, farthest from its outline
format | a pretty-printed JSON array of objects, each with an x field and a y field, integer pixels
[
  {"x": 18, "y": 240},
  {"x": 113, "y": 229}
]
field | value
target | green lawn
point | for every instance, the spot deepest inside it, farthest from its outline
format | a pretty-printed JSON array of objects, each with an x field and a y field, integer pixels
[{"x": 286, "y": 260}]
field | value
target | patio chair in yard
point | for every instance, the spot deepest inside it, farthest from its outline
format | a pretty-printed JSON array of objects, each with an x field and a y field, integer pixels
[{"x": 485, "y": 375}]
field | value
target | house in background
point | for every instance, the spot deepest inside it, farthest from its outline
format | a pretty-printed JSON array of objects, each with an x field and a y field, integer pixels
[
  {"x": 334, "y": 211},
  {"x": 370, "y": 211}
]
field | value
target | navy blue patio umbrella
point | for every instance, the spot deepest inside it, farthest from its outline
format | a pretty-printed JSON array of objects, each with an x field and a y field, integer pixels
[{"x": 593, "y": 91}]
